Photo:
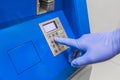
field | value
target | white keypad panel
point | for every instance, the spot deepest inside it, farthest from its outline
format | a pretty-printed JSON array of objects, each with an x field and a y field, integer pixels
[{"x": 51, "y": 29}]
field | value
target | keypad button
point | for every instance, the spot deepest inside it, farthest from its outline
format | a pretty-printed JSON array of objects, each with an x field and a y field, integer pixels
[
  {"x": 59, "y": 49},
  {"x": 49, "y": 36},
  {"x": 52, "y": 42},
  {"x": 56, "y": 51},
  {"x": 56, "y": 33},
  {"x": 62, "y": 46},
  {"x": 53, "y": 46},
  {"x": 53, "y": 35}
]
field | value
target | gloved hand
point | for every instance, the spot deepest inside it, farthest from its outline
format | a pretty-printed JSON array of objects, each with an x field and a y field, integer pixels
[{"x": 98, "y": 47}]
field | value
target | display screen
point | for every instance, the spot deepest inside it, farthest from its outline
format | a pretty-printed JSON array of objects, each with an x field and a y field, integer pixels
[{"x": 49, "y": 27}]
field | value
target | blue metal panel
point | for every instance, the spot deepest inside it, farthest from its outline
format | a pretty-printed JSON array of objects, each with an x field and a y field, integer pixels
[
  {"x": 16, "y": 11},
  {"x": 24, "y": 57},
  {"x": 13, "y": 12},
  {"x": 13, "y": 9},
  {"x": 77, "y": 16},
  {"x": 21, "y": 38},
  {"x": 25, "y": 54}
]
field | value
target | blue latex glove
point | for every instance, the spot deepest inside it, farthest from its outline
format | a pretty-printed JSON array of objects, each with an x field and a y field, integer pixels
[{"x": 98, "y": 47}]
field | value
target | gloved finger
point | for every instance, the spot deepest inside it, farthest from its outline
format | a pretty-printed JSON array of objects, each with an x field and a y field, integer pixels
[
  {"x": 67, "y": 41},
  {"x": 81, "y": 61}
]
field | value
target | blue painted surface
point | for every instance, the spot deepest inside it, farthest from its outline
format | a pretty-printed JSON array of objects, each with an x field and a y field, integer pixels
[
  {"x": 24, "y": 57},
  {"x": 14, "y": 11},
  {"x": 77, "y": 16},
  {"x": 15, "y": 41},
  {"x": 24, "y": 52}
]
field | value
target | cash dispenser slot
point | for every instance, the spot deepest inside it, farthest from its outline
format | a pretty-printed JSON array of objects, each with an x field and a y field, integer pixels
[{"x": 44, "y": 6}]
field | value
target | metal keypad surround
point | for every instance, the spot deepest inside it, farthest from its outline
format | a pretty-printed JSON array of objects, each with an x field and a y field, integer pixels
[{"x": 58, "y": 32}]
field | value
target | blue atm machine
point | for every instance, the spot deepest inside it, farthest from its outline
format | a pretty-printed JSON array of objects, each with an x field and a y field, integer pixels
[{"x": 27, "y": 31}]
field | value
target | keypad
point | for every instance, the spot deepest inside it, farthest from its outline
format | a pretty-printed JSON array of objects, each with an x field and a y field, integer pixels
[{"x": 56, "y": 48}]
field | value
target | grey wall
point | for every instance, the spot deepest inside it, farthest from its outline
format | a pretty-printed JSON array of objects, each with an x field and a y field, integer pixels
[{"x": 104, "y": 15}]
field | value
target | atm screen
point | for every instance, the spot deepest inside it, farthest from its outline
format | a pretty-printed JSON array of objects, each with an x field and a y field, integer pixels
[{"x": 50, "y": 26}]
